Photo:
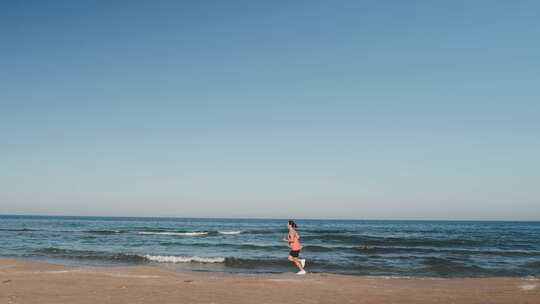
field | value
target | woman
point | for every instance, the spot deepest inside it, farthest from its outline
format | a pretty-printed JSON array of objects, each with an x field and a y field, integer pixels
[{"x": 293, "y": 238}]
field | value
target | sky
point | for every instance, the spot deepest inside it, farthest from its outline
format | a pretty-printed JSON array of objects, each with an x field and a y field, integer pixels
[{"x": 280, "y": 109}]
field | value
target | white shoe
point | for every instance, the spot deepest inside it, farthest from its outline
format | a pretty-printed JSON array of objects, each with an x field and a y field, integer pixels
[
  {"x": 301, "y": 272},
  {"x": 303, "y": 262}
]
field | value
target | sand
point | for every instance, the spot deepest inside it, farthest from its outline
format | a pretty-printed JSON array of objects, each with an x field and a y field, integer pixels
[{"x": 23, "y": 281}]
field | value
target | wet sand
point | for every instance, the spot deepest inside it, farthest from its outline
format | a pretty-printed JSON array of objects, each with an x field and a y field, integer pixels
[{"x": 23, "y": 281}]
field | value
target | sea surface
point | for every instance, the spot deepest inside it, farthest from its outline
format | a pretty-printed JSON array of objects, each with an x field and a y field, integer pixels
[{"x": 363, "y": 247}]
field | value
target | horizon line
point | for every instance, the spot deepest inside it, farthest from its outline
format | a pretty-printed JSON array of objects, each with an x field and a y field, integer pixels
[{"x": 277, "y": 218}]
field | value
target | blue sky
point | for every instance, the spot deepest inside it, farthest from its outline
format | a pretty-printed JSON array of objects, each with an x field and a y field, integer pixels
[{"x": 349, "y": 109}]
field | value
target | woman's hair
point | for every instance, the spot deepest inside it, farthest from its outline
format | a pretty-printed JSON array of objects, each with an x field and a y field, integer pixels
[{"x": 293, "y": 224}]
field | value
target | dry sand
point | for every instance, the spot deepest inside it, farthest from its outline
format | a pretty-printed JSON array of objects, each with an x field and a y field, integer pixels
[{"x": 23, "y": 281}]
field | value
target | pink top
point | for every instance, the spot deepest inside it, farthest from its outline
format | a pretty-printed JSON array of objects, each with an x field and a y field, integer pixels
[{"x": 294, "y": 242}]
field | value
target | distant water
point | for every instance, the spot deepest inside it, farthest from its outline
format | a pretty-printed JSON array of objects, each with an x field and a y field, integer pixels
[{"x": 378, "y": 248}]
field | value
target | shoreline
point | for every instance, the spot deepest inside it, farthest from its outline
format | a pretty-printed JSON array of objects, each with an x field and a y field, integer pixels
[
  {"x": 177, "y": 267},
  {"x": 25, "y": 281}
]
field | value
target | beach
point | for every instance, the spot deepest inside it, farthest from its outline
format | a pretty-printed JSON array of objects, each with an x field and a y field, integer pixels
[
  {"x": 24, "y": 281},
  {"x": 269, "y": 152}
]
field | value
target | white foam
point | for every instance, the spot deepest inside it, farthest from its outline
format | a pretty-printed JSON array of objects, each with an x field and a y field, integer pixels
[
  {"x": 229, "y": 232},
  {"x": 527, "y": 287},
  {"x": 531, "y": 278},
  {"x": 201, "y": 233},
  {"x": 182, "y": 259}
]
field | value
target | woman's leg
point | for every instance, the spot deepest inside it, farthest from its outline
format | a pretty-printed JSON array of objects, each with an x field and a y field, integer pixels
[{"x": 296, "y": 262}]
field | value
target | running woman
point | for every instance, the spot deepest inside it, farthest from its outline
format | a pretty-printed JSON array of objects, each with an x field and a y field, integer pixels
[{"x": 293, "y": 239}]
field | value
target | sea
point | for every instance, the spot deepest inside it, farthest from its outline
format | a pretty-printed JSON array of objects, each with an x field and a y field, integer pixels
[{"x": 429, "y": 249}]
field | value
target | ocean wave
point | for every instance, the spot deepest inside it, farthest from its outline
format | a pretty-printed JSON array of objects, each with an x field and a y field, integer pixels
[
  {"x": 52, "y": 250},
  {"x": 149, "y": 229},
  {"x": 283, "y": 265},
  {"x": 382, "y": 250},
  {"x": 534, "y": 265},
  {"x": 245, "y": 246},
  {"x": 182, "y": 259},
  {"x": 364, "y": 240},
  {"x": 194, "y": 233},
  {"x": 87, "y": 255},
  {"x": 324, "y": 231},
  {"x": 105, "y": 232},
  {"x": 229, "y": 232},
  {"x": 266, "y": 231},
  {"x": 247, "y": 263},
  {"x": 448, "y": 250},
  {"x": 447, "y": 267},
  {"x": 317, "y": 248},
  {"x": 17, "y": 229}
]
